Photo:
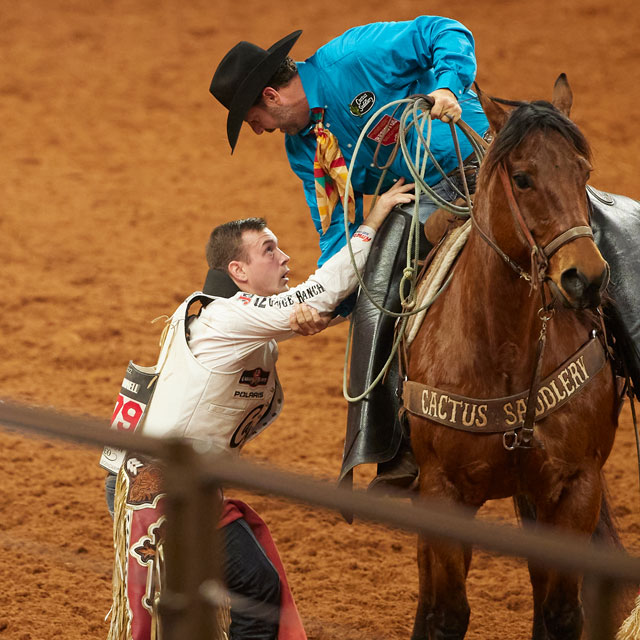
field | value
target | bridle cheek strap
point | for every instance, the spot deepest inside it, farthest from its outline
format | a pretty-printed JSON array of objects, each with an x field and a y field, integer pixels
[
  {"x": 539, "y": 260},
  {"x": 538, "y": 255},
  {"x": 515, "y": 209}
]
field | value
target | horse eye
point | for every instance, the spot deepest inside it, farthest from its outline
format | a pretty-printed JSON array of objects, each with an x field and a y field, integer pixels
[{"x": 522, "y": 181}]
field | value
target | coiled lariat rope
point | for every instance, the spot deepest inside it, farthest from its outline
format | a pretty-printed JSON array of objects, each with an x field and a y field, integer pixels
[{"x": 418, "y": 108}]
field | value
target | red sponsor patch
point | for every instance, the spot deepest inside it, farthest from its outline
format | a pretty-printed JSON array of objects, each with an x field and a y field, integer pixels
[
  {"x": 254, "y": 377},
  {"x": 385, "y": 131},
  {"x": 362, "y": 237}
]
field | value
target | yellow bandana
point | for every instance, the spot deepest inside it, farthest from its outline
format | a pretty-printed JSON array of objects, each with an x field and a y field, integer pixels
[{"x": 330, "y": 173}]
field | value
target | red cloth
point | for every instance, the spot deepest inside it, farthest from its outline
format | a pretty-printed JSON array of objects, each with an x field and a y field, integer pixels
[
  {"x": 146, "y": 531},
  {"x": 291, "y": 627}
]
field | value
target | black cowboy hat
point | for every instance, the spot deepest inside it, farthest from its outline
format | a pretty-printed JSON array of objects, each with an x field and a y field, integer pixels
[{"x": 242, "y": 74}]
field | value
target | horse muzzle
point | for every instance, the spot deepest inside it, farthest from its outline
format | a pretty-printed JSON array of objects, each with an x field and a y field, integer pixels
[
  {"x": 578, "y": 291},
  {"x": 578, "y": 275}
]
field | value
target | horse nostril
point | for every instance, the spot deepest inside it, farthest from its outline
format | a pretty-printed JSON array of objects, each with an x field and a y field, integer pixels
[
  {"x": 574, "y": 283},
  {"x": 583, "y": 293}
]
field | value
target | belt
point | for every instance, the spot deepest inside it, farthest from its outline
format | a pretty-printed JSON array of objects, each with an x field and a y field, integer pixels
[
  {"x": 470, "y": 164},
  {"x": 470, "y": 167}
]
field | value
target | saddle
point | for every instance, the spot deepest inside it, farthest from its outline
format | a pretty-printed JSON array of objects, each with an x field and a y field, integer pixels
[{"x": 441, "y": 222}]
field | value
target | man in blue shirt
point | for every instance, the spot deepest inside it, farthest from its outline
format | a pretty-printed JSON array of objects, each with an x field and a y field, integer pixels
[
  {"x": 322, "y": 105},
  {"x": 350, "y": 78},
  {"x": 342, "y": 86}
]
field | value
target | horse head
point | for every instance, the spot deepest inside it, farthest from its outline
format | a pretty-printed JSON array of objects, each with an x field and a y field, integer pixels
[{"x": 532, "y": 195}]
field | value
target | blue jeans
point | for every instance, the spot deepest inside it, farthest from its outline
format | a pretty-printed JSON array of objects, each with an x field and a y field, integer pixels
[
  {"x": 444, "y": 189},
  {"x": 248, "y": 573},
  {"x": 110, "y": 490}
]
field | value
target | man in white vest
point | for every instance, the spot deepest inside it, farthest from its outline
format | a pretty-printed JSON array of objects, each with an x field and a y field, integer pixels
[{"x": 217, "y": 382}]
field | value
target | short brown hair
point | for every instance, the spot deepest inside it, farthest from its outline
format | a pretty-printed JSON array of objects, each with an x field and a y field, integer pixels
[
  {"x": 282, "y": 77},
  {"x": 225, "y": 242}
]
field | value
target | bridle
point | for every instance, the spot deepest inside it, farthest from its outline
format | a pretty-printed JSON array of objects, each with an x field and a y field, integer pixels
[
  {"x": 522, "y": 437},
  {"x": 539, "y": 255}
]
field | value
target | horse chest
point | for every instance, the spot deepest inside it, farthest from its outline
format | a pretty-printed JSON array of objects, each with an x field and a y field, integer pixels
[{"x": 505, "y": 369}]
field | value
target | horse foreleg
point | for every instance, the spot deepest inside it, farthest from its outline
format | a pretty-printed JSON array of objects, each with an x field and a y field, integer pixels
[
  {"x": 577, "y": 508},
  {"x": 424, "y": 611},
  {"x": 539, "y": 580},
  {"x": 443, "y": 609},
  {"x": 562, "y": 610},
  {"x": 526, "y": 511}
]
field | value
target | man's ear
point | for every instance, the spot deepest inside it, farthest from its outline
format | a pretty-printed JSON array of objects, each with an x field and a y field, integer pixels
[
  {"x": 236, "y": 271},
  {"x": 270, "y": 96}
]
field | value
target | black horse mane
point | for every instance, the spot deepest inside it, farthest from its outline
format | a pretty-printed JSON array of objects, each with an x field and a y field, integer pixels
[{"x": 526, "y": 118}]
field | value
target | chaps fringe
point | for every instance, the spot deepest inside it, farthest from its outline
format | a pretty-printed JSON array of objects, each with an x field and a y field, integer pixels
[
  {"x": 630, "y": 629},
  {"x": 120, "y": 628}
]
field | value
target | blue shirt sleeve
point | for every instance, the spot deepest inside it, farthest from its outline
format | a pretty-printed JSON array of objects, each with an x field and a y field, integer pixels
[{"x": 395, "y": 50}]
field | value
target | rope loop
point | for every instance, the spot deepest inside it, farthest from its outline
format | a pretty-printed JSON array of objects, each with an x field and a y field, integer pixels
[{"x": 416, "y": 114}]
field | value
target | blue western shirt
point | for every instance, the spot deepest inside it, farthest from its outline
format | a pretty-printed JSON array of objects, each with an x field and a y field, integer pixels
[{"x": 359, "y": 72}]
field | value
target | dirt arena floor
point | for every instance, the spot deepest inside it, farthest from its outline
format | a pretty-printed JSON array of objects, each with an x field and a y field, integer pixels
[{"x": 115, "y": 167}]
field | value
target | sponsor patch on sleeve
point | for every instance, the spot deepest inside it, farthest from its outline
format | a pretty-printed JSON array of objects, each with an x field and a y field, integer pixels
[
  {"x": 363, "y": 234},
  {"x": 281, "y": 301},
  {"x": 310, "y": 291}
]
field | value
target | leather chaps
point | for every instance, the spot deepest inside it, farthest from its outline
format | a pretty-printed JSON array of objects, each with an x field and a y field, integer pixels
[
  {"x": 374, "y": 432},
  {"x": 616, "y": 229}
]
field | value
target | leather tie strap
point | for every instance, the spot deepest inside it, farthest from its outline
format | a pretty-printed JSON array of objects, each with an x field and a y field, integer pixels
[{"x": 513, "y": 206}]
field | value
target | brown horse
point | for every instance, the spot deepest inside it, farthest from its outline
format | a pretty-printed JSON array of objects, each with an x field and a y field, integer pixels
[{"x": 530, "y": 275}]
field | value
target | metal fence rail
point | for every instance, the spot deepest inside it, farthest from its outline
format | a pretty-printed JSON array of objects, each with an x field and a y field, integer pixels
[{"x": 196, "y": 474}]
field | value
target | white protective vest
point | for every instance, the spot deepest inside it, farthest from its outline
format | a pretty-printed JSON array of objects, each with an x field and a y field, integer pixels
[{"x": 226, "y": 410}]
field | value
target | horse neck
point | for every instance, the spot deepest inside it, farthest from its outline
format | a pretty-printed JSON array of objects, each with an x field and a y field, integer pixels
[
  {"x": 488, "y": 310},
  {"x": 481, "y": 334},
  {"x": 502, "y": 306}
]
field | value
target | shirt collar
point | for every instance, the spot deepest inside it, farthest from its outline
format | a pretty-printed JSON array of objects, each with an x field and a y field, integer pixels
[{"x": 312, "y": 90}]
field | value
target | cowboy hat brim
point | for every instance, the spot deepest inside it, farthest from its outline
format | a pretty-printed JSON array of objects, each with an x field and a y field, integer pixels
[{"x": 254, "y": 82}]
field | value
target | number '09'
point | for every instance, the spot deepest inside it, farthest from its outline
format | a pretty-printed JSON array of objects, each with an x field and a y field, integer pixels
[{"x": 129, "y": 411}]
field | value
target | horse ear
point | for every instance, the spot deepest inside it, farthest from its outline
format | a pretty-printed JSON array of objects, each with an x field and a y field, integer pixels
[
  {"x": 562, "y": 95},
  {"x": 496, "y": 115}
]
